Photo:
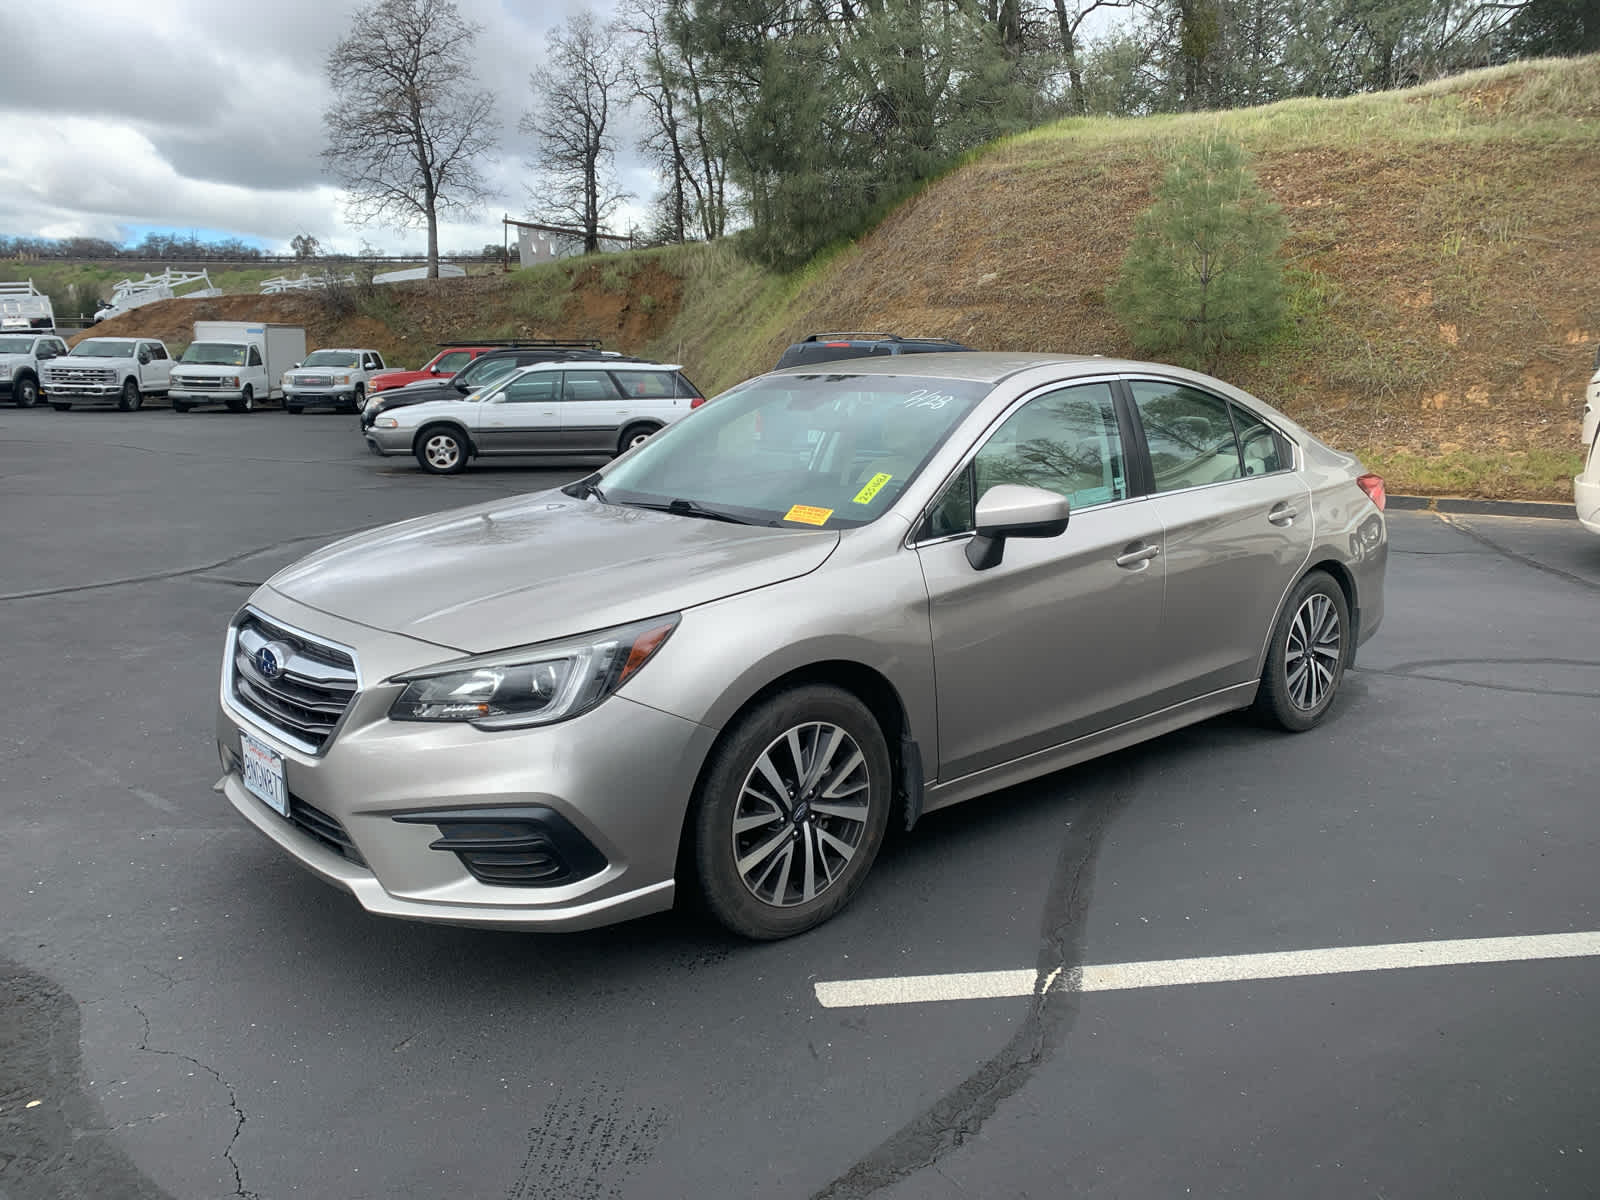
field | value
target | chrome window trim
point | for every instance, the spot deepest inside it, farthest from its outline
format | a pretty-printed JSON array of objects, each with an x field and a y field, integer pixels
[{"x": 976, "y": 448}]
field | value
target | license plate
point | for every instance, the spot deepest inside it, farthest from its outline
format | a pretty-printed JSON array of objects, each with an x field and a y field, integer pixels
[{"x": 263, "y": 773}]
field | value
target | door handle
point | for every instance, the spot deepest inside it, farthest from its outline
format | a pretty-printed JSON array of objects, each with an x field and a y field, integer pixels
[
  {"x": 1139, "y": 557},
  {"x": 1284, "y": 514}
]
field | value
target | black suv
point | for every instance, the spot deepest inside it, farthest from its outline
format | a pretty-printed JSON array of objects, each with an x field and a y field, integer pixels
[
  {"x": 825, "y": 347},
  {"x": 484, "y": 370}
]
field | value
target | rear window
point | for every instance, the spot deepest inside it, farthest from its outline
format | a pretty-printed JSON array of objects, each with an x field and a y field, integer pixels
[{"x": 648, "y": 385}]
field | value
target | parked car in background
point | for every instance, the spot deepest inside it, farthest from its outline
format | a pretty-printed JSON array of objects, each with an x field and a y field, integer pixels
[
  {"x": 107, "y": 370},
  {"x": 236, "y": 363},
  {"x": 21, "y": 356},
  {"x": 830, "y": 347},
  {"x": 333, "y": 378},
  {"x": 441, "y": 366},
  {"x": 588, "y": 407},
  {"x": 25, "y": 309},
  {"x": 1586, "y": 487},
  {"x": 481, "y": 372},
  {"x": 822, "y": 602}
]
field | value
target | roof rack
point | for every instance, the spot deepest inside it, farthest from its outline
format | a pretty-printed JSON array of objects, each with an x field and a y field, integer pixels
[
  {"x": 854, "y": 336},
  {"x": 525, "y": 343}
]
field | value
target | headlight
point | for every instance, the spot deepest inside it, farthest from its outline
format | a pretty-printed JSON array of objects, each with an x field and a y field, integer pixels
[
  {"x": 386, "y": 423},
  {"x": 341, "y": 379},
  {"x": 231, "y": 381},
  {"x": 538, "y": 685}
]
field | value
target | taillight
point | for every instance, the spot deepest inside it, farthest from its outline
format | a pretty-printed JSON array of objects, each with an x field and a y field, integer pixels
[
  {"x": 696, "y": 401},
  {"x": 1372, "y": 485}
]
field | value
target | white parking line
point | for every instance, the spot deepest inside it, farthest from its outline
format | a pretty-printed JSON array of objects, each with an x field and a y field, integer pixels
[{"x": 1229, "y": 968}]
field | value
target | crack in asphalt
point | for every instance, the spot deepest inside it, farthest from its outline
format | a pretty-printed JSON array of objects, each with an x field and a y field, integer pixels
[
  {"x": 1412, "y": 670},
  {"x": 239, "y": 1189},
  {"x": 1484, "y": 539},
  {"x": 1052, "y": 1010},
  {"x": 180, "y": 572}
]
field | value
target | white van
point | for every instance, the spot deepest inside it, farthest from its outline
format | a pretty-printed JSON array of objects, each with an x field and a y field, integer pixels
[{"x": 236, "y": 363}]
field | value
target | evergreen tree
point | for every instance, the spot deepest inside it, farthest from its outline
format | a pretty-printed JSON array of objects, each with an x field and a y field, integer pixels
[{"x": 1202, "y": 275}]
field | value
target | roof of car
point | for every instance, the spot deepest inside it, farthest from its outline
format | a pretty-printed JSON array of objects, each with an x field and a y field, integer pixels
[
  {"x": 599, "y": 364},
  {"x": 978, "y": 366}
]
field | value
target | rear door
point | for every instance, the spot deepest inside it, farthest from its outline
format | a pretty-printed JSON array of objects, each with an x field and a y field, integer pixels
[
  {"x": 523, "y": 417},
  {"x": 593, "y": 411},
  {"x": 1236, "y": 521}
]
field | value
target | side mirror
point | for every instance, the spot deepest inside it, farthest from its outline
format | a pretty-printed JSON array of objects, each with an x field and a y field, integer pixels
[
  {"x": 296, "y": 367},
  {"x": 461, "y": 387},
  {"x": 144, "y": 357},
  {"x": 1009, "y": 510}
]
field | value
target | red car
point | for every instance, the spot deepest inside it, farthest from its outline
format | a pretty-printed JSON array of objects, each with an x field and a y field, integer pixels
[{"x": 443, "y": 365}]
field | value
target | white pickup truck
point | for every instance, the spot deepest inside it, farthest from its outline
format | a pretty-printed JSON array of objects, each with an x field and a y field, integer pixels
[
  {"x": 108, "y": 370},
  {"x": 20, "y": 357},
  {"x": 236, "y": 363},
  {"x": 334, "y": 377}
]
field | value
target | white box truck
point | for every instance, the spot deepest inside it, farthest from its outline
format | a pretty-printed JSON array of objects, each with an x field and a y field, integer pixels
[{"x": 237, "y": 363}]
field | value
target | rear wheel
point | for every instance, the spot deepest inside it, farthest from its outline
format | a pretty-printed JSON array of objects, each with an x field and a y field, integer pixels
[
  {"x": 1306, "y": 661},
  {"x": 26, "y": 392},
  {"x": 442, "y": 450},
  {"x": 132, "y": 399},
  {"x": 635, "y": 435},
  {"x": 791, "y": 812}
]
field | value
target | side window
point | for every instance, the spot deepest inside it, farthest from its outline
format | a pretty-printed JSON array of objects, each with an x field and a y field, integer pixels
[
  {"x": 685, "y": 388},
  {"x": 532, "y": 388},
  {"x": 255, "y": 357},
  {"x": 374, "y": 362},
  {"x": 1261, "y": 447},
  {"x": 1066, "y": 442},
  {"x": 645, "y": 385},
  {"x": 589, "y": 385},
  {"x": 450, "y": 363},
  {"x": 1189, "y": 433},
  {"x": 157, "y": 351}
]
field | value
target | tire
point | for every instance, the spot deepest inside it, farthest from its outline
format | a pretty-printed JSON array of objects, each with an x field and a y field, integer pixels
[
  {"x": 244, "y": 403},
  {"x": 768, "y": 900},
  {"x": 25, "y": 391},
  {"x": 296, "y": 409},
  {"x": 181, "y": 406},
  {"x": 61, "y": 407},
  {"x": 360, "y": 401},
  {"x": 442, "y": 450},
  {"x": 635, "y": 435},
  {"x": 1309, "y": 651},
  {"x": 132, "y": 399}
]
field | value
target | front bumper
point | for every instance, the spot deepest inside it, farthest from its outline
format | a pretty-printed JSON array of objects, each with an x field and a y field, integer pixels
[
  {"x": 336, "y": 397},
  {"x": 390, "y": 441},
  {"x": 1586, "y": 496},
  {"x": 206, "y": 395},
  {"x": 621, "y": 775},
  {"x": 98, "y": 391}
]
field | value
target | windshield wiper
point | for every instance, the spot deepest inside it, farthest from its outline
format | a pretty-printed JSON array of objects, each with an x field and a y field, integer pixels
[
  {"x": 693, "y": 508},
  {"x": 586, "y": 487}
]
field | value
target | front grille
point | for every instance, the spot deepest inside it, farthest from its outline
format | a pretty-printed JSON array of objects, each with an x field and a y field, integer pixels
[
  {"x": 315, "y": 823},
  {"x": 314, "y": 683},
  {"x": 199, "y": 381},
  {"x": 312, "y": 381},
  {"x": 81, "y": 375}
]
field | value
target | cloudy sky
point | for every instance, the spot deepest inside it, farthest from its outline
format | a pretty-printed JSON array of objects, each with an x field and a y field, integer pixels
[{"x": 123, "y": 116}]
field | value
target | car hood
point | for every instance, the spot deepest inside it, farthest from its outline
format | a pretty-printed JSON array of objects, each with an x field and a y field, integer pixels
[{"x": 515, "y": 572}]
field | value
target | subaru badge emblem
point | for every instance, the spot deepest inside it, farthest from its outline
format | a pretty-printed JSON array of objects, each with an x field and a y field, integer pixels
[{"x": 271, "y": 659}]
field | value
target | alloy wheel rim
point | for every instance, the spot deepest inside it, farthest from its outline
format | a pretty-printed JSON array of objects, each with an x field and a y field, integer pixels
[
  {"x": 639, "y": 439},
  {"x": 442, "y": 451},
  {"x": 801, "y": 815},
  {"x": 1311, "y": 658}
]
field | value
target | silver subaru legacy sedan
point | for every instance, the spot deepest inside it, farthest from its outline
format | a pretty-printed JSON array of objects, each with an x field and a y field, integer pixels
[{"x": 825, "y": 600}]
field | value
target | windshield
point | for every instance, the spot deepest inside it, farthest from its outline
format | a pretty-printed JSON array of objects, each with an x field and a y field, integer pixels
[
  {"x": 15, "y": 345},
  {"x": 829, "y": 451},
  {"x": 332, "y": 358},
  {"x": 103, "y": 348},
  {"x": 214, "y": 354}
]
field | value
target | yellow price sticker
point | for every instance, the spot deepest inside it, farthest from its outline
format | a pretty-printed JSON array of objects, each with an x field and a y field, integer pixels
[
  {"x": 872, "y": 487},
  {"x": 808, "y": 514}
]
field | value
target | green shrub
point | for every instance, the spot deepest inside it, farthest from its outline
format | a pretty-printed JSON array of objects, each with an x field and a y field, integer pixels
[{"x": 1202, "y": 275}]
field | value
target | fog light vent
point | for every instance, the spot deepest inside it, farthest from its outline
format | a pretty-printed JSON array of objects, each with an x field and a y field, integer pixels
[{"x": 513, "y": 847}]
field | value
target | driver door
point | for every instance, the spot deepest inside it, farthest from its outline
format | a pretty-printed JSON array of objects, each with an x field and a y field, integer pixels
[
  {"x": 1057, "y": 641},
  {"x": 524, "y": 417}
]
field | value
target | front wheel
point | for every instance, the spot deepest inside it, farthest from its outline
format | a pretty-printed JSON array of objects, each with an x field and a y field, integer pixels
[
  {"x": 791, "y": 812},
  {"x": 132, "y": 399},
  {"x": 359, "y": 401},
  {"x": 181, "y": 406},
  {"x": 26, "y": 392},
  {"x": 441, "y": 450},
  {"x": 296, "y": 409},
  {"x": 1306, "y": 660},
  {"x": 61, "y": 407}
]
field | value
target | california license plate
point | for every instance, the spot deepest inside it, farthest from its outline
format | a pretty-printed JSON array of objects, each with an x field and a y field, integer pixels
[{"x": 263, "y": 773}]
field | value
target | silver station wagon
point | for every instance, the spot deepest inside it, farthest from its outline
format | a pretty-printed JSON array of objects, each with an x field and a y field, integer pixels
[
  {"x": 828, "y": 599},
  {"x": 560, "y": 407}
]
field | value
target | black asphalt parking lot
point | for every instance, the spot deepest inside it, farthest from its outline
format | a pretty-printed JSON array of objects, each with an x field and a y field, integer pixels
[{"x": 198, "y": 1017}]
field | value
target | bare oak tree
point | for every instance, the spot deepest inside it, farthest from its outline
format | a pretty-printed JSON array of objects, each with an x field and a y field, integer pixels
[
  {"x": 406, "y": 130},
  {"x": 577, "y": 94}
]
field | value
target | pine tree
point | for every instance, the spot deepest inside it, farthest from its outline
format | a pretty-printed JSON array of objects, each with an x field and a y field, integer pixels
[{"x": 1202, "y": 275}]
